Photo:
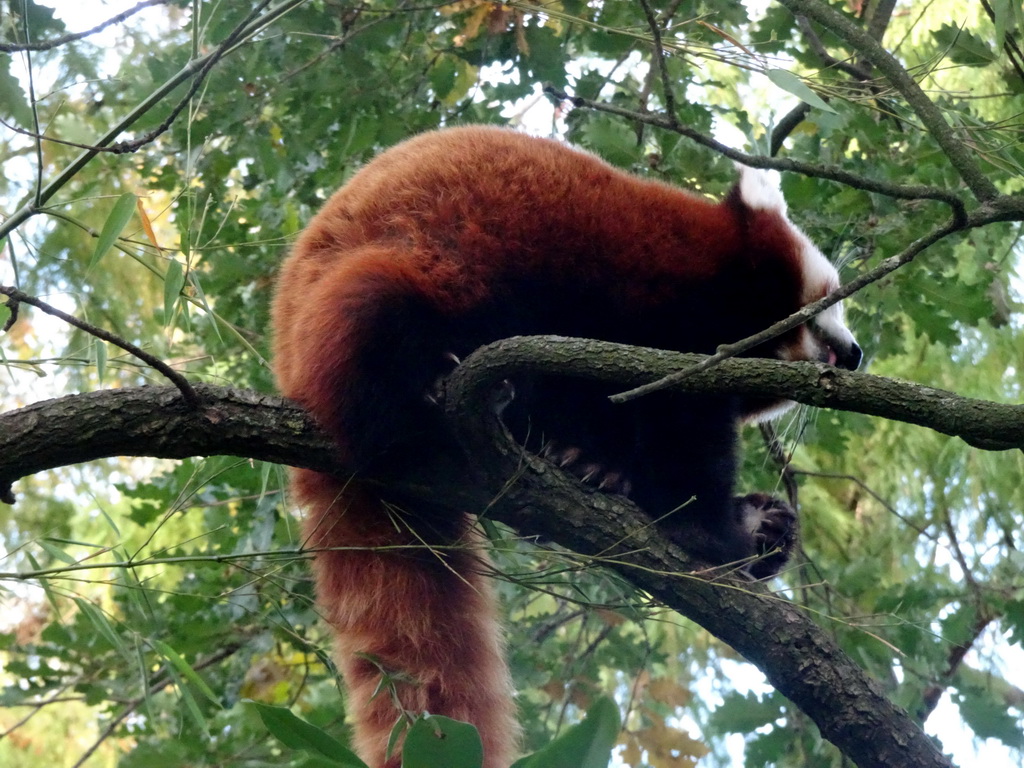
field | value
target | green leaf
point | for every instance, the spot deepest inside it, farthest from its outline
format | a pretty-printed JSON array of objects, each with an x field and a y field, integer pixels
[
  {"x": 296, "y": 733},
  {"x": 612, "y": 139},
  {"x": 185, "y": 669},
  {"x": 13, "y": 104},
  {"x": 745, "y": 714},
  {"x": 988, "y": 718},
  {"x": 789, "y": 82},
  {"x": 586, "y": 745},
  {"x": 964, "y": 47},
  {"x": 56, "y": 552},
  {"x": 435, "y": 741},
  {"x": 99, "y": 620},
  {"x": 174, "y": 281},
  {"x": 191, "y": 705},
  {"x": 101, "y": 359},
  {"x": 1002, "y": 18},
  {"x": 115, "y": 223}
]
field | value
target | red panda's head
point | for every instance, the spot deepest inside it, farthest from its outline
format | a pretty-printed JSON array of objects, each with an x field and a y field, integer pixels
[{"x": 825, "y": 338}]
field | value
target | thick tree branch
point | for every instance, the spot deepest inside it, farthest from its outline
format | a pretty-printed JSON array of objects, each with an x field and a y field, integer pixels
[
  {"x": 536, "y": 498},
  {"x": 157, "y": 421},
  {"x": 799, "y": 658}
]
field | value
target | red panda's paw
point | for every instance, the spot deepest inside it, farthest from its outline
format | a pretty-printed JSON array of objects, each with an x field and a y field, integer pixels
[
  {"x": 504, "y": 393},
  {"x": 773, "y": 525},
  {"x": 435, "y": 392},
  {"x": 502, "y": 396},
  {"x": 571, "y": 459}
]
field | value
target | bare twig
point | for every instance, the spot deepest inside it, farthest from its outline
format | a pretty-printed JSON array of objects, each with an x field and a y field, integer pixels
[
  {"x": 832, "y": 173},
  {"x": 1013, "y": 51},
  {"x": 69, "y": 38},
  {"x": 932, "y": 693},
  {"x": 854, "y": 71},
  {"x": 873, "y": 494},
  {"x": 32, "y": 207},
  {"x": 786, "y": 126},
  {"x": 160, "y": 681},
  {"x": 800, "y": 317},
  {"x": 35, "y": 113},
  {"x": 880, "y": 16},
  {"x": 931, "y": 116},
  {"x": 658, "y": 56},
  {"x": 783, "y": 460},
  {"x": 16, "y": 297}
]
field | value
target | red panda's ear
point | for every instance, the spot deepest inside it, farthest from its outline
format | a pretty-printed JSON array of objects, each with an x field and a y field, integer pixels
[{"x": 757, "y": 190}]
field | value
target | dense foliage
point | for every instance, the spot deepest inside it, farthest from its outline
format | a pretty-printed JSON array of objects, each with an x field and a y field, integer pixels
[{"x": 143, "y": 601}]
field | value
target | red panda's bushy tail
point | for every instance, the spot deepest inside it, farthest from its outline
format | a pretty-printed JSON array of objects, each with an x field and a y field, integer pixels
[{"x": 427, "y": 618}]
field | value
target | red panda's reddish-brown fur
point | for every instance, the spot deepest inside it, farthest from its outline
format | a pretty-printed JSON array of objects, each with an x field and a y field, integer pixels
[
  {"x": 427, "y": 621},
  {"x": 463, "y": 236}
]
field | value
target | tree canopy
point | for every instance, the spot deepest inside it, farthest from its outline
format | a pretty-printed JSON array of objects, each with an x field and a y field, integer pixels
[{"x": 158, "y": 159}]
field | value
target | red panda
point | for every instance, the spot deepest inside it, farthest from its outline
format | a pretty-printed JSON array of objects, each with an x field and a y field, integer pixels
[{"x": 463, "y": 236}]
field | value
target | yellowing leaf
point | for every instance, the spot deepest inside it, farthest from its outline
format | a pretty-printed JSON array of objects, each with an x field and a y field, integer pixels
[{"x": 147, "y": 225}]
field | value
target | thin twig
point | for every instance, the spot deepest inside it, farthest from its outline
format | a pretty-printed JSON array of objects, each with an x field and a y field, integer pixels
[
  {"x": 783, "y": 460},
  {"x": 881, "y": 15},
  {"x": 1013, "y": 51},
  {"x": 64, "y": 39},
  {"x": 35, "y": 109},
  {"x": 123, "y": 147},
  {"x": 847, "y": 66},
  {"x": 786, "y": 126},
  {"x": 830, "y": 172},
  {"x": 16, "y": 297},
  {"x": 873, "y": 494},
  {"x": 659, "y": 63},
  {"x": 160, "y": 681},
  {"x": 930, "y": 115},
  {"x": 28, "y": 209},
  {"x": 798, "y": 318}
]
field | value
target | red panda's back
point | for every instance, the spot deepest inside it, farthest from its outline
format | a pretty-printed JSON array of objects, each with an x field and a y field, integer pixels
[{"x": 481, "y": 200}]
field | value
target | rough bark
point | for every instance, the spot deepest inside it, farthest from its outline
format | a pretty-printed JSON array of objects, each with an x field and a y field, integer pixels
[{"x": 531, "y": 495}]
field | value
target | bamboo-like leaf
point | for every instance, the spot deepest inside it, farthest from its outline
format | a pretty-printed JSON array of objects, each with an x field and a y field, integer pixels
[
  {"x": 101, "y": 359},
  {"x": 147, "y": 225},
  {"x": 296, "y": 733},
  {"x": 115, "y": 223},
  {"x": 787, "y": 81},
  {"x": 186, "y": 669},
  {"x": 174, "y": 281}
]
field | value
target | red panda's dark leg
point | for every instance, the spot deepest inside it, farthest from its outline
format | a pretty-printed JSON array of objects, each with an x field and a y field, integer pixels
[
  {"x": 428, "y": 618},
  {"x": 677, "y": 456},
  {"x": 360, "y": 345}
]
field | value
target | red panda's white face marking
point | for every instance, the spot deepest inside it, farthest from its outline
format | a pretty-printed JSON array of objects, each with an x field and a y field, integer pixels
[
  {"x": 760, "y": 190},
  {"x": 825, "y": 338}
]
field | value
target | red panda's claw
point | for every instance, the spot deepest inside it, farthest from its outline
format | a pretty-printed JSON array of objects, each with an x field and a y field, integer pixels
[
  {"x": 503, "y": 395},
  {"x": 592, "y": 473},
  {"x": 568, "y": 456},
  {"x": 435, "y": 392}
]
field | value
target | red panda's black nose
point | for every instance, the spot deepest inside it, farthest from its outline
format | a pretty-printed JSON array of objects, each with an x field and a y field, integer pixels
[{"x": 850, "y": 358}]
